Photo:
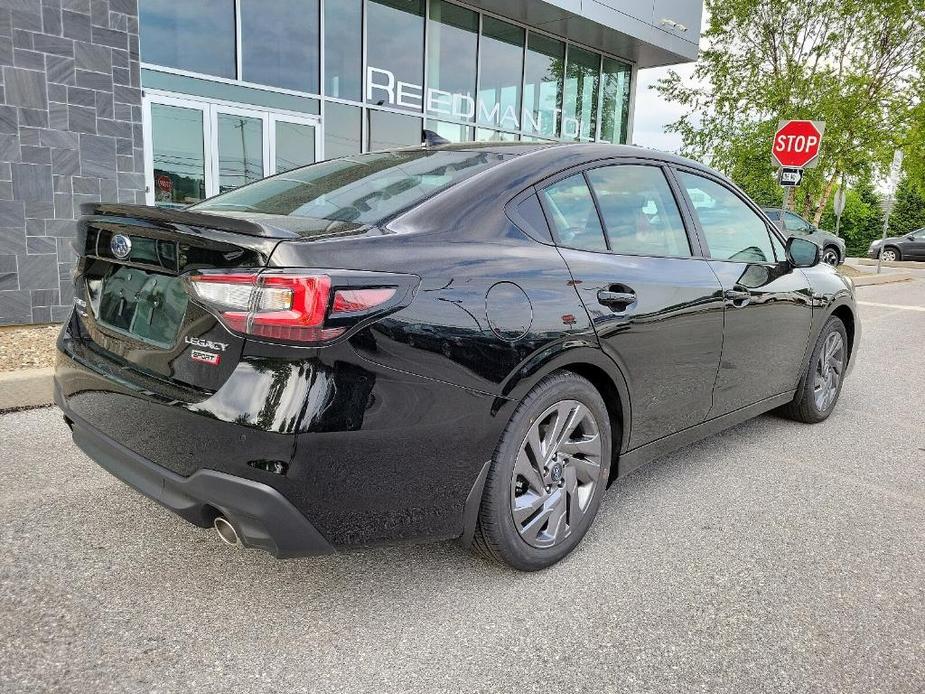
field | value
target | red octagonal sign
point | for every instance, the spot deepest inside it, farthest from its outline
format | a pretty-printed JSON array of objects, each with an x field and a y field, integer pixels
[{"x": 797, "y": 142}]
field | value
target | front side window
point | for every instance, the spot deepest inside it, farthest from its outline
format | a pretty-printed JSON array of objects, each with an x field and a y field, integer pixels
[
  {"x": 796, "y": 224},
  {"x": 395, "y": 53},
  {"x": 364, "y": 189},
  {"x": 639, "y": 211},
  {"x": 732, "y": 230},
  {"x": 280, "y": 43},
  {"x": 197, "y": 36},
  {"x": 570, "y": 208}
]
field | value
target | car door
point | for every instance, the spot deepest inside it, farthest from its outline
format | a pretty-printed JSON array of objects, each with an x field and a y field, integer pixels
[
  {"x": 915, "y": 247},
  {"x": 768, "y": 303},
  {"x": 656, "y": 307}
]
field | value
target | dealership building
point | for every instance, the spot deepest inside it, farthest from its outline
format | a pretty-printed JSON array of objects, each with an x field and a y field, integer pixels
[{"x": 167, "y": 102}]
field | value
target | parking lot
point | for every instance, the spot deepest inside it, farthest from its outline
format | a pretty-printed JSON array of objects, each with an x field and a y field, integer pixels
[{"x": 773, "y": 557}]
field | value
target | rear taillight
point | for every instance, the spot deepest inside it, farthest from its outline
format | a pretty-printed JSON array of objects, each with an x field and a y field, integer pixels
[{"x": 291, "y": 307}]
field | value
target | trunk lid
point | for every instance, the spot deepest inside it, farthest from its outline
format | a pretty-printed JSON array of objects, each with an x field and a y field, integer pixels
[{"x": 131, "y": 300}]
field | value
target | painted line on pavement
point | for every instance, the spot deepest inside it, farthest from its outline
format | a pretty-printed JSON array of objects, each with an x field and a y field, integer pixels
[{"x": 899, "y": 306}]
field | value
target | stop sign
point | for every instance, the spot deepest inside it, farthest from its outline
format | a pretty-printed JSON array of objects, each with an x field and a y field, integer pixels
[{"x": 797, "y": 142}]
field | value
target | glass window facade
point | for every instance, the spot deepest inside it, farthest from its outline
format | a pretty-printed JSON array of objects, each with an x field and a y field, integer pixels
[
  {"x": 501, "y": 74},
  {"x": 582, "y": 81},
  {"x": 343, "y": 49},
  {"x": 395, "y": 53},
  {"x": 543, "y": 70},
  {"x": 360, "y": 75},
  {"x": 452, "y": 44},
  {"x": 280, "y": 43},
  {"x": 179, "y": 160},
  {"x": 197, "y": 36}
]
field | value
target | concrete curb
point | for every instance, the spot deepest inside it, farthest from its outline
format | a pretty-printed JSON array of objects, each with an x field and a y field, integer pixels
[
  {"x": 26, "y": 388},
  {"x": 868, "y": 280},
  {"x": 901, "y": 264}
]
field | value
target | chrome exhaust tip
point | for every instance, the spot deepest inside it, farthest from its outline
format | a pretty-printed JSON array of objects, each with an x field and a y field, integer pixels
[{"x": 226, "y": 531}]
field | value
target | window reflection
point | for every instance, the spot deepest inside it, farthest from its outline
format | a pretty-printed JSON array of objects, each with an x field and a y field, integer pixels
[
  {"x": 543, "y": 69},
  {"x": 179, "y": 163},
  {"x": 452, "y": 45},
  {"x": 295, "y": 145},
  {"x": 582, "y": 79},
  {"x": 197, "y": 36},
  {"x": 240, "y": 150},
  {"x": 343, "y": 49},
  {"x": 501, "y": 74},
  {"x": 342, "y": 130},
  {"x": 389, "y": 130},
  {"x": 450, "y": 131},
  {"x": 395, "y": 53},
  {"x": 615, "y": 108},
  {"x": 488, "y": 135},
  {"x": 280, "y": 43}
]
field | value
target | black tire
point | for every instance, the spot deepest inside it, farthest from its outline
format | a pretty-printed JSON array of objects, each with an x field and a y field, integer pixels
[
  {"x": 496, "y": 536},
  {"x": 834, "y": 251},
  {"x": 804, "y": 407}
]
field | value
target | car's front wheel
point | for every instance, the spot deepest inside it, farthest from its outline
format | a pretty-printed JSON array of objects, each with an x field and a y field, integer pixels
[
  {"x": 831, "y": 256},
  {"x": 821, "y": 384},
  {"x": 548, "y": 475},
  {"x": 889, "y": 255}
]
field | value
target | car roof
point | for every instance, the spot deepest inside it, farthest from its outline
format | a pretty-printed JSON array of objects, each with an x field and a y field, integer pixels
[{"x": 592, "y": 149}]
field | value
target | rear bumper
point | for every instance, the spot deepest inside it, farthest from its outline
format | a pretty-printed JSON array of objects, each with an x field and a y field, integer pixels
[{"x": 263, "y": 518}]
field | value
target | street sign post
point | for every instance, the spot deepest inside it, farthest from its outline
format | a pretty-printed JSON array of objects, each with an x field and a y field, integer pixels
[
  {"x": 888, "y": 199},
  {"x": 796, "y": 147},
  {"x": 838, "y": 204}
]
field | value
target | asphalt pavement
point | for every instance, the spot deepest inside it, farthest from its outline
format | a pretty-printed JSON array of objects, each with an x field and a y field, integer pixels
[{"x": 775, "y": 557}]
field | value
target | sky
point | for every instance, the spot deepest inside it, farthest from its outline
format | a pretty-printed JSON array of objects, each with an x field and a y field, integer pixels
[{"x": 653, "y": 113}]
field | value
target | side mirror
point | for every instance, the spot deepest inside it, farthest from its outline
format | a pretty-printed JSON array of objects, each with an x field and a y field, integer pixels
[{"x": 801, "y": 252}]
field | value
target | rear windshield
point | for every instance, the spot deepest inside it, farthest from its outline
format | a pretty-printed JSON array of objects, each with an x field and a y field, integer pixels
[{"x": 365, "y": 189}]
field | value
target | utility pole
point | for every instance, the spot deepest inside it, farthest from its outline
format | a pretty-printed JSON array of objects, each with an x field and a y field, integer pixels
[{"x": 889, "y": 200}]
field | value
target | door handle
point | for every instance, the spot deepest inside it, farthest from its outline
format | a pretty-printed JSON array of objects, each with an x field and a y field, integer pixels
[
  {"x": 616, "y": 300},
  {"x": 737, "y": 298}
]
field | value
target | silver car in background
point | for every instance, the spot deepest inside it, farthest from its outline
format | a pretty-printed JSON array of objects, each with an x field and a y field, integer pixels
[{"x": 833, "y": 247}]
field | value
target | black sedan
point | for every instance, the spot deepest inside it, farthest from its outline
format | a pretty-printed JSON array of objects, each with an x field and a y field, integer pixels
[
  {"x": 468, "y": 341},
  {"x": 908, "y": 247}
]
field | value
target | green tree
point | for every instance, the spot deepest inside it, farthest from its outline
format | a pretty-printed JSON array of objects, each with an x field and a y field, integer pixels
[
  {"x": 852, "y": 63},
  {"x": 908, "y": 212},
  {"x": 862, "y": 220}
]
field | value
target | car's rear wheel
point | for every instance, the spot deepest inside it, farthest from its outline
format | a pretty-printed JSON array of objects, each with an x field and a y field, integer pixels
[
  {"x": 821, "y": 385},
  {"x": 831, "y": 256},
  {"x": 889, "y": 255},
  {"x": 548, "y": 475}
]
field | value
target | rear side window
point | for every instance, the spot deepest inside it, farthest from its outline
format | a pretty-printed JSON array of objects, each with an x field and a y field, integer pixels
[
  {"x": 364, "y": 189},
  {"x": 571, "y": 211},
  {"x": 732, "y": 230},
  {"x": 639, "y": 211}
]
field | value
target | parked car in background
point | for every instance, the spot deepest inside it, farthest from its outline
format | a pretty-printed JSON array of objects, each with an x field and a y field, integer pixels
[
  {"x": 833, "y": 247},
  {"x": 465, "y": 341},
  {"x": 908, "y": 247}
]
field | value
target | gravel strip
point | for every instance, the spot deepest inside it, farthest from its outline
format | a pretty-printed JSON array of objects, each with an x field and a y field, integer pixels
[{"x": 30, "y": 347}]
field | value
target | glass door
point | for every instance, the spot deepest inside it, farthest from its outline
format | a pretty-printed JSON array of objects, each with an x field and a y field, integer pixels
[
  {"x": 195, "y": 149},
  {"x": 294, "y": 142}
]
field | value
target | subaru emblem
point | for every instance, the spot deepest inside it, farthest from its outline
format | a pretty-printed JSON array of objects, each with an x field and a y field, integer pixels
[{"x": 121, "y": 246}]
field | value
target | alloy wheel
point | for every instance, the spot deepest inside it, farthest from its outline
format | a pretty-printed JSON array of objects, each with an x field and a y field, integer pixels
[
  {"x": 830, "y": 257},
  {"x": 828, "y": 373},
  {"x": 557, "y": 468},
  {"x": 888, "y": 254}
]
